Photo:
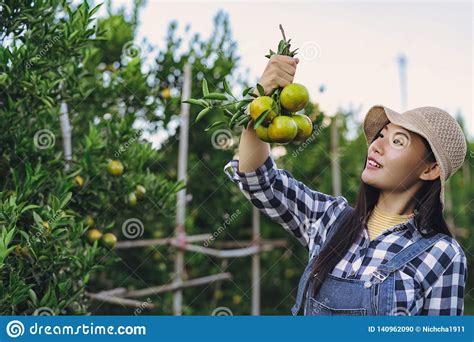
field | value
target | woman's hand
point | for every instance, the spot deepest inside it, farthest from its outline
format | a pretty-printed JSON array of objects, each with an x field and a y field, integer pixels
[{"x": 279, "y": 72}]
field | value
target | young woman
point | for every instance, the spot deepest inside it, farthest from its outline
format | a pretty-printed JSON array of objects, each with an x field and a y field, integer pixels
[{"x": 390, "y": 254}]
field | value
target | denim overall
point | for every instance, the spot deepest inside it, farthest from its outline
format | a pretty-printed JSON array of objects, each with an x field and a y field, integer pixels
[{"x": 346, "y": 296}]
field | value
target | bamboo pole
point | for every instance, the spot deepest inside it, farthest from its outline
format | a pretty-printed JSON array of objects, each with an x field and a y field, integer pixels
[
  {"x": 119, "y": 301},
  {"x": 150, "y": 291},
  {"x": 246, "y": 243},
  {"x": 335, "y": 167},
  {"x": 66, "y": 132},
  {"x": 181, "y": 198},
  {"x": 160, "y": 242},
  {"x": 229, "y": 253}
]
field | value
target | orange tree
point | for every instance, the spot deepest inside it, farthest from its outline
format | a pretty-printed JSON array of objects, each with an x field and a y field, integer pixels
[{"x": 55, "y": 55}]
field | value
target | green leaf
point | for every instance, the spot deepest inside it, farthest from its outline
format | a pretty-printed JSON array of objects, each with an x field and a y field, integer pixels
[
  {"x": 228, "y": 113},
  {"x": 246, "y": 91},
  {"x": 260, "y": 89},
  {"x": 234, "y": 117},
  {"x": 244, "y": 120},
  {"x": 205, "y": 89},
  {"x": 227, "y": 88},
  {"x": 29, "y": 207},
  {"x": 281, "y": 47},
  {"x": 260, "y": 119},
  {"x": 214, "y": 124},
  {"x": 33, "y": 296},
  {"x": 202, "y": 113},
  {"x": 94, "y": 10},
  {"x": 197, "y": 102},
  {"x": 215, "y": 96}
]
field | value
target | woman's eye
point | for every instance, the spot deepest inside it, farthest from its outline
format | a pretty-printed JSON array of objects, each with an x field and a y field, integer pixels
[
  {"x": 399, "y": 142},
  {"x": 379, "y": 135}
]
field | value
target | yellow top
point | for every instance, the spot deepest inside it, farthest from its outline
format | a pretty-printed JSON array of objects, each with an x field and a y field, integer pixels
[{"x": 381, "y": 220}]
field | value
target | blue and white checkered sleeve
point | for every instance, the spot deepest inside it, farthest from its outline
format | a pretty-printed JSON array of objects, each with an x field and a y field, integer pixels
[
  {"x": 303, "y": 212},
  {"x": 446, "y": 295}
]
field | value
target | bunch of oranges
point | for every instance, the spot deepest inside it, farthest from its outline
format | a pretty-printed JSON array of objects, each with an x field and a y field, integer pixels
[
  {"x": 275, "y": 116},
  {"x": 280, "y": 123}
]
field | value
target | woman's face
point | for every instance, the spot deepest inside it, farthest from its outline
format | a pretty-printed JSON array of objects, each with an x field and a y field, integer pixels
[{"x": 399, "y": 153}]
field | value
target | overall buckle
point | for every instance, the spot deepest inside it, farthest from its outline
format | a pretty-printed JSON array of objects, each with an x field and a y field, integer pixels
[{"x": 380, "y": 276}]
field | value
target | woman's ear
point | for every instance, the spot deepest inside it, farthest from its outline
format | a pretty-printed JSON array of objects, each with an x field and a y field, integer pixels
[{"x": 431, "y": 172}]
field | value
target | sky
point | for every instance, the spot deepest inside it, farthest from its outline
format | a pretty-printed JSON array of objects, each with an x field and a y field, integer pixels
[{"x": 351, "y": 47}]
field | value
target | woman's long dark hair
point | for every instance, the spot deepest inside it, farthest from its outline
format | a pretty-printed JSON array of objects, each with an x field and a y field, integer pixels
[{"x": 428, "y": 213}]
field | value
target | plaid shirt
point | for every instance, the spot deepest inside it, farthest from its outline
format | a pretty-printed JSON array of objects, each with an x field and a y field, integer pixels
[{"x": 431, "y": 284}]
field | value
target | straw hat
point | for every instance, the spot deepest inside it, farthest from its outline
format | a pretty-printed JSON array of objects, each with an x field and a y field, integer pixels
[{"x": 440, "y": 129}]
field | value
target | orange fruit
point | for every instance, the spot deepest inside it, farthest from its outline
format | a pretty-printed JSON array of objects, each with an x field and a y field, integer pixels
[
  {"x": 108, "y": 240},
  {"x": 261, "y": 104},
  {"x": 89, "y": 221},
  {"x": 79, "y": 181},
  {"x": 132, "y": 199},
  {"x": 93, "y": 235},
  {"x": 115, "y": 168},
  {"x": 294, "y": 97},
  {"x": 166, "y": 93},
  {"x": 283, "y": 129},
  {"x": 262, "y": 133},
  {"x": 305, "y": 126},
  {"x": 140, "y": 191}
]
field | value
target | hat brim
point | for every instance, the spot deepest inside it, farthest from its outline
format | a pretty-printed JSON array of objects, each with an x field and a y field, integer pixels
[{"x": 378, "y": 116}]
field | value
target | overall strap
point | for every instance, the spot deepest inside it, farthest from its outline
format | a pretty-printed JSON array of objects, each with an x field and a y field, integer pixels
[
  {"x": 404, "y": 256},
  {"x": 307, "y": 272}
]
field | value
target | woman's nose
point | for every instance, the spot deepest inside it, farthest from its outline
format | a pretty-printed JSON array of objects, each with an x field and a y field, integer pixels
[{"x": 377, "y": 145}]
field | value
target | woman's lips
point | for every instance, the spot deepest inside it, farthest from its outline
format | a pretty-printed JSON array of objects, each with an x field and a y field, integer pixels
[{"x": 370, "y": 166}]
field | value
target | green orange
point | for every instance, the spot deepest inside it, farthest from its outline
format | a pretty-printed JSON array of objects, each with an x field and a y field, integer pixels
[
  {"x": 140, "y": 191},
  {"x": 283, "y": 129},
  {"x": 294, "y": 97},
  {"x": 262, "y": 133},
  {"x": 260, "y": 105},
  {"x": 115, "y": 168},
  {"x": 305, "y": 126},
  {"x": 108, "y": 240},
  {"x": 93, "y": 235},
  {"x": 132, "y": 199}
]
